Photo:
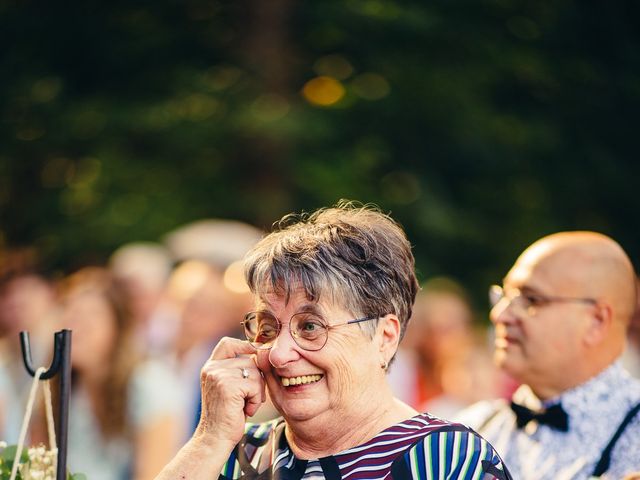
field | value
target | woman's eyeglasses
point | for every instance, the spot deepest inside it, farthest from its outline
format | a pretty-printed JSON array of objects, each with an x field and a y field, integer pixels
[{"x": 308, "y": 330}]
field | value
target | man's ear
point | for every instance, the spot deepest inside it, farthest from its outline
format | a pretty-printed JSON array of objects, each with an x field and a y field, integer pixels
[
  {"x": 388, "y": 336},
  {"x": 600, "y": 324}
]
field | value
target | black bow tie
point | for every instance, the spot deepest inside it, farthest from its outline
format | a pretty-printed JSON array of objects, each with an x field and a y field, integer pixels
[{"x": 554, "y": 416}]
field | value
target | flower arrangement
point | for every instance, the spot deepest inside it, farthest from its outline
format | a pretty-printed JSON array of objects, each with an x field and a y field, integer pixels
[{"x": 36, "y": 463}]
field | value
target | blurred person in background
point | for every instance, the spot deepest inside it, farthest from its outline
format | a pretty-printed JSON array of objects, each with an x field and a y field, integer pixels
[
  {"x": 27, "y": 302},
  {"x": 144, "y": 268},
  {"x": 561, "y": 319},
  {"x": 124, "y": 409},
  {"x": 446, "y": 364},
  {"x": 209, "y": 311},
  {"x": 206, "y": 315},
  {"x": 333, "y": 292}
]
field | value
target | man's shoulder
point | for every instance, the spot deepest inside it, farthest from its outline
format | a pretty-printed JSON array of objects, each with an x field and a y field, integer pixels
[
  {"x": 479, "y": 414},
  {"x": 625, "y": 440}
]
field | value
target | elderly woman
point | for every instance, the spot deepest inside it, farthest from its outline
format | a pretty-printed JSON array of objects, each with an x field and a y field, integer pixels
[{"x": 333, "y": 294}]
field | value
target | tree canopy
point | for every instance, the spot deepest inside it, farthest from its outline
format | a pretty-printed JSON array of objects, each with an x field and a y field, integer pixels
[{"x": 481, "y": 126}]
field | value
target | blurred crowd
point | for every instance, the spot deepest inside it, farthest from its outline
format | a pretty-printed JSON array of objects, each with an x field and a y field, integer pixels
[{"x": 145, "y": 322}]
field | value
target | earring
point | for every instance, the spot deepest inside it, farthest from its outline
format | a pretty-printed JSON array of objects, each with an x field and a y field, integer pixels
[{"x": 384, "y": 365}]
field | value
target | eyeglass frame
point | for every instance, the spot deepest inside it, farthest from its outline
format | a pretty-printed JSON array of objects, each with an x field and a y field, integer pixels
[
  {"x": 293, "y": 336},
  {"x": 545, "y": 299}
]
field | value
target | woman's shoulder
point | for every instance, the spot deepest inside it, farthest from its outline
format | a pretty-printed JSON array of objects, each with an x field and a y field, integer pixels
[
  {"x": 422, "y": 445},
  {"x": 416, "y": 426},
  {"x": 425, "y": 426},
  {"x": 448, "y": 448}
]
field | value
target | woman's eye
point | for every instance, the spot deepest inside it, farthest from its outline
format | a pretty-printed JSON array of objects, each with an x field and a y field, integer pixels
[
  {"x": 310, "y": 326},
  {"x": 267, "y": 331}
]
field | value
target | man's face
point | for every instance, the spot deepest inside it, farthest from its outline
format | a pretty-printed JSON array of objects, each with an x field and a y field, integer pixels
[{"x": 537, "y": 338}]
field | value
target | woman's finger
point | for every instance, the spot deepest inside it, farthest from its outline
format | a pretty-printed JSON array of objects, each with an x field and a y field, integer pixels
[
  {"x": 256, "y": 384},
  {"x": 229, "y": 347}
]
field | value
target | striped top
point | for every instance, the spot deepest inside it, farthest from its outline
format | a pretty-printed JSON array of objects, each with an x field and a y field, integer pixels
[{"x": 422, "y": 447}]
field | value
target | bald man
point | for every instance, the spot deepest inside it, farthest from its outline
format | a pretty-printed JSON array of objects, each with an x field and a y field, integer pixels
[{"x": 560, "y": 320}]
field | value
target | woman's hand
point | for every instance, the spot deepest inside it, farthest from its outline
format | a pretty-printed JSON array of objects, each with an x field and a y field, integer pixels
[{"x": 227, "y": 397}]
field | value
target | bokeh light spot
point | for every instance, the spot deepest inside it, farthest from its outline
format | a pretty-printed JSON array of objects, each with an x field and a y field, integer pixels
[
  {"x": 196, "y": 107},
  {"x": 270, "y": 107},
  {"x": 46, "y": 89},
  {"x": 54, "y": 173},
  {"x": 75, "y": 201},
  {"x": 371, "y": 86},
  {"x": 222, "y": 77},
  {"x": 323, "y": 91},
  {"x": 85, "y": 173}
]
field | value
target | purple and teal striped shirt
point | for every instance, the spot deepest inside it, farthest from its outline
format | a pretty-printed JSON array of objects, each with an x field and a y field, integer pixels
[{"x": 422, "y": 447}]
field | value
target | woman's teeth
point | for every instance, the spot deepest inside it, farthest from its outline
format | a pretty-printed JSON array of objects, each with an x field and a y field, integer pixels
[{"x": 300, "y": 380}]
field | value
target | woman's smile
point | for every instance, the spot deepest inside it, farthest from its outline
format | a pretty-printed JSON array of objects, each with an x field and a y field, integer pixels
[{"x": 300, "y": 380}]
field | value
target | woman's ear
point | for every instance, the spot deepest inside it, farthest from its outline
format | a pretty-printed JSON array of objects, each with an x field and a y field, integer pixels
[{"x": 388, "y": 336}]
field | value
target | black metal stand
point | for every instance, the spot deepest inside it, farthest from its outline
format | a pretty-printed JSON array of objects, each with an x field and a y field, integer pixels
[{"x": 61, "y": 364}]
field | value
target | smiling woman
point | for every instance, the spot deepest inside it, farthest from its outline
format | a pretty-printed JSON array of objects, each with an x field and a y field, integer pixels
[{"x": 333, "y": 294}]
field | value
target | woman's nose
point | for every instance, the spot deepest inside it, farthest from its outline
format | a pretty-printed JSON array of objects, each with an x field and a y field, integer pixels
[{"x": 284, "y": 349}]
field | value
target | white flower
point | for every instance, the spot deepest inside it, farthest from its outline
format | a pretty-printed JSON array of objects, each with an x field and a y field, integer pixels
[{"x": 41, "y": 463}]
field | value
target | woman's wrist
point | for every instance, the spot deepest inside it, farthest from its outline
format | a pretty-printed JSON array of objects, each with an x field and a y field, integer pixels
[
  {"x": 201, "y": 458},
  {"x": 205, "y": 441}
]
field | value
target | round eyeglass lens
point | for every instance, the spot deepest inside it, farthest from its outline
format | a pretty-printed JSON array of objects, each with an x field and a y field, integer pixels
[
  {"x": 309, "y": 331},
  {"x": 261, "y": 329}
]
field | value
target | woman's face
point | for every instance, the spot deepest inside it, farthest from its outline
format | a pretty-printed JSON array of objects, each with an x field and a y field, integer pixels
[
  {"x": 333, "y": 383},
  {"x": 93, "y": 322}
]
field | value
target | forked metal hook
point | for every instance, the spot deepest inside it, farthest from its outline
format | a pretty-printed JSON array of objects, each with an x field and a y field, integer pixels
[{"x": 60, "y": 364}]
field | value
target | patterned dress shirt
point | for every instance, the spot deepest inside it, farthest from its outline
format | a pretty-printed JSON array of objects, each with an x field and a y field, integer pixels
[{"x": 595, "y": 410}]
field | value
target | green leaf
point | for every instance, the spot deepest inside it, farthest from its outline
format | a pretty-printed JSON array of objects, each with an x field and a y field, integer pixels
[
  {"x": 9, "y": 453},
  {"x": 6, "y": 461}
]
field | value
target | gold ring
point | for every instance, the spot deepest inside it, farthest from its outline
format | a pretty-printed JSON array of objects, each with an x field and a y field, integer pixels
[{"x": 245, "y": 373}]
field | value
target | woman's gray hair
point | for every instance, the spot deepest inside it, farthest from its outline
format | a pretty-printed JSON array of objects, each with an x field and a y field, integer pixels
[{"x": 352, "y": 252}]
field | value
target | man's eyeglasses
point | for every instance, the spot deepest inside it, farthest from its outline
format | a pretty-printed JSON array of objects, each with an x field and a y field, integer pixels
[
  {"x": 308, "y": 330},
  {"x": 530, "y": 301}
]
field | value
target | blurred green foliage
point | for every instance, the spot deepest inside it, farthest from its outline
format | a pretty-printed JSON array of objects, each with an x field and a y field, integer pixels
[{"x": 480, "y": 125}]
